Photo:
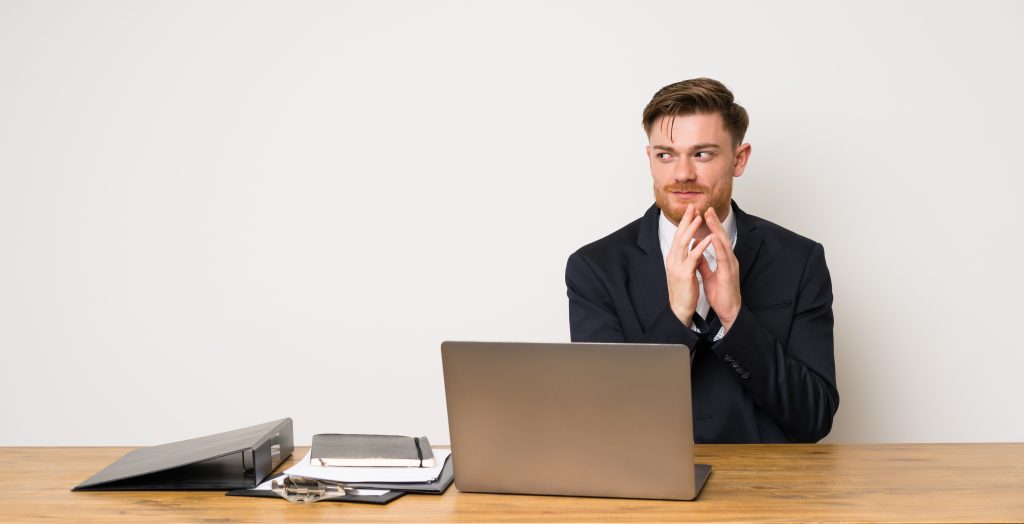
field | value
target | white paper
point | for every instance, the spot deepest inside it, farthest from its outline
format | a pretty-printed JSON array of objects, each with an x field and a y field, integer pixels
[{"x": 366, "y": 474}]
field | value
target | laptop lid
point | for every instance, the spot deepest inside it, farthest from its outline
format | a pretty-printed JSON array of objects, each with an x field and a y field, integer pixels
[{"x": 604, "y": 420}]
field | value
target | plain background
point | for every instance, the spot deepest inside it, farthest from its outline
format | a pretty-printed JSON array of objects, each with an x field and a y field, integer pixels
[{"x": 214, "y": 214}]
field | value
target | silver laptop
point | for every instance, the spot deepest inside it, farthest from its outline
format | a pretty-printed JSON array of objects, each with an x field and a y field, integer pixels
[{"x": 596, "y": 420}]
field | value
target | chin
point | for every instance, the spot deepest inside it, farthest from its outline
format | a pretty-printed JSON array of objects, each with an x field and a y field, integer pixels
[
  {"x": 675, "y": 210},
  {"x": 679, "y": 208}
]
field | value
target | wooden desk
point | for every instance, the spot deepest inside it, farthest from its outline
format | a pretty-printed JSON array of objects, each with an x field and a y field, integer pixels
[{"x": 754, "y": 483}]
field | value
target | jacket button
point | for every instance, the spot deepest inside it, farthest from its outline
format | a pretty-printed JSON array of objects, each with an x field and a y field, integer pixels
[
  {"x": 735, "y": 365},
  {"x": 746, "y": 374},
  {"x": 727, "y": 358}
]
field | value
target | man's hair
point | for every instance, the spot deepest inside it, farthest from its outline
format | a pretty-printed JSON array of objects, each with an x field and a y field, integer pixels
[{"x": 695, "y": 96}]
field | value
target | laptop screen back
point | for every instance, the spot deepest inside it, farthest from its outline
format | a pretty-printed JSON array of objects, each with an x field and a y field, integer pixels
[{"x": 609, "y": 420}]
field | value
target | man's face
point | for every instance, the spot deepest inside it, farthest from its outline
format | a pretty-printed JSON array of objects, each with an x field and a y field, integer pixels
[{"x": 694, "y": 162}]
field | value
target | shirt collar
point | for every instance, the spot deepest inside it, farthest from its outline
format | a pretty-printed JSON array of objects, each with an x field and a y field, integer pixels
[{"x": 667, "y": 231}]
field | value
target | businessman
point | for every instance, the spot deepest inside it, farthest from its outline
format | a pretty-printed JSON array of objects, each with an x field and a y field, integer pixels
[{"x": 752, "y": 300}]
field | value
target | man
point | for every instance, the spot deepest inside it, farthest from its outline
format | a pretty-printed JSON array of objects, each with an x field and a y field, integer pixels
[{"x": 752, "y": 300}]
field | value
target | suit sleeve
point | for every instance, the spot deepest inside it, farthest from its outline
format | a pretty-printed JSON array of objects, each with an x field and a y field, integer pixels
[
  {"x": 794, "y": 384},
  {"x": 593, "y": 315}
]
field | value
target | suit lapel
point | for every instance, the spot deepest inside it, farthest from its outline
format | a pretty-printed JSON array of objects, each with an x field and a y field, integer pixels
[
  {"x": 748, "y": 242},
  {"x": 648, "y": 288}
]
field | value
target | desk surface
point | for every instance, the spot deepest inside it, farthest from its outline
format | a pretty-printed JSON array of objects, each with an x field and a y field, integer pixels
[{"x": 754, "y": 483}]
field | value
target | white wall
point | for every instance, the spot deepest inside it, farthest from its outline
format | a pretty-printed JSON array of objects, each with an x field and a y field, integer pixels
[{"x": 214, "y": 214}]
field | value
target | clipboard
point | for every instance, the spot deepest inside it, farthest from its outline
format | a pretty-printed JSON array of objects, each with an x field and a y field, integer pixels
[
  {"x": 395, "y": 489},
  {"x": 383, "y": 498},
  {"x": 242, "y": 458}
]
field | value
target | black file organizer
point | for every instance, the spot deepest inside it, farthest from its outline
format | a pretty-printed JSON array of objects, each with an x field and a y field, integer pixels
[{"x": 236, "y": 459}]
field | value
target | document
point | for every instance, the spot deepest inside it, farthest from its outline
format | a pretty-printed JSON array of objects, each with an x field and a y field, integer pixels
[{"x": 370, "y": 474}]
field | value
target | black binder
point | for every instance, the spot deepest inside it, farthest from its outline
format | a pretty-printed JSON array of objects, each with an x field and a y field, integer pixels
[{"x": 242, "y": 458}]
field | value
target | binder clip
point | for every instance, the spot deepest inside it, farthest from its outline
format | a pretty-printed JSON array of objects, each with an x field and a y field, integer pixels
[{"x": 306, "y": 489}]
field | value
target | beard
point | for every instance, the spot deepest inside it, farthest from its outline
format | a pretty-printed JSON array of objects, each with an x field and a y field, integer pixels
[{"x": 674, "y": 208}]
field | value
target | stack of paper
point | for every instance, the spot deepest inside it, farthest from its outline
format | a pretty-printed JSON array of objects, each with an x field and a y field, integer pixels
[{"x": 349, "y": 474}]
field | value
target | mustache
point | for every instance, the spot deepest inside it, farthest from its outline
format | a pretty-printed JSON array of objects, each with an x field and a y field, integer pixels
[{"x": 684, "y": 188}]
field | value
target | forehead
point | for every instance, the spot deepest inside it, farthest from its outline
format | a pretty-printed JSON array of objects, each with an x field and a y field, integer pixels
[{"x": 683, "y": 130}]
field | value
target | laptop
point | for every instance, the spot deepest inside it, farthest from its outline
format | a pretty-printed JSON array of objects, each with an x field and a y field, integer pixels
[{"x": 580, "y": 419}]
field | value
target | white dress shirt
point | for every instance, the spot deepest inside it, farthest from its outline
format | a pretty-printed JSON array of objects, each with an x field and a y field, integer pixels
[{"x": 667, "y": 231}]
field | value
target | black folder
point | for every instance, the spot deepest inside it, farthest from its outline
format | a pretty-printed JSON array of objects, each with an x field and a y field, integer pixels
[
  {"x": 383, "y": 498},
  {"x": 242, "y": 458},
  {"x": 396, "y": 489},
  {"x": 436, "y": 487}
]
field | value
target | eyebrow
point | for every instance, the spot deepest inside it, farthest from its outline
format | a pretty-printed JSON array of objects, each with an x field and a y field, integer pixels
[{"x": 694, "y": 147}]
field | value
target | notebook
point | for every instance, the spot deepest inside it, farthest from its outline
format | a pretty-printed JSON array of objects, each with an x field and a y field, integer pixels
[{"x": 351, "y": 450}]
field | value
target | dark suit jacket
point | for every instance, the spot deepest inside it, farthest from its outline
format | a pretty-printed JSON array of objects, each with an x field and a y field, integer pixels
[{"x": 772, "y": 377}]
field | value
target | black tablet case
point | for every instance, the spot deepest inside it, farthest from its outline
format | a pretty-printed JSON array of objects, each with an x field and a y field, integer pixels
[{"x": 242, "y": 458}]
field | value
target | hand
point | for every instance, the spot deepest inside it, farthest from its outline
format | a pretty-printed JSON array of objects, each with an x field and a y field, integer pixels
[
  {"x": 681, "y": 266},
  {"x": 721, "y": 286}
]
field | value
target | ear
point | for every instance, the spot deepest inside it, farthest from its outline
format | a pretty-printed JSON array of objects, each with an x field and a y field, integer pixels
[
  {"x": 742, "y": 156},
  {"x": 650, "y": 159}
]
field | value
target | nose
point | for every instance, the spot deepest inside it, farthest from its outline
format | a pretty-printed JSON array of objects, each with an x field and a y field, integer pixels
[{"x": 684, "y": 171}]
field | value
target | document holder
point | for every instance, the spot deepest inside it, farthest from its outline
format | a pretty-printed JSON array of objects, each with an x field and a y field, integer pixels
[{"x": 236, "y": 459}]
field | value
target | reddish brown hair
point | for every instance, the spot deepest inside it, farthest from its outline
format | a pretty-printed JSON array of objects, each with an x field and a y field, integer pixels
[{"x": 694, "y": 96}]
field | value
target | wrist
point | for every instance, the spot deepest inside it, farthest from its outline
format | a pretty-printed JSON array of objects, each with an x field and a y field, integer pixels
[
  {"x": 684, "y": 316},
  {"x": 729, "y": 319}
]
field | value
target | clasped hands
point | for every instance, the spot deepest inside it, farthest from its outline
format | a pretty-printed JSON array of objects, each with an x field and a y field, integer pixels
[{"x": 721, "y": 285}]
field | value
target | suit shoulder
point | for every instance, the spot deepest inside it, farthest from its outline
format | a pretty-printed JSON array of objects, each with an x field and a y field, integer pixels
[
  {"x": 786, "y": 239},
  {"x": 620, "y": 241}
]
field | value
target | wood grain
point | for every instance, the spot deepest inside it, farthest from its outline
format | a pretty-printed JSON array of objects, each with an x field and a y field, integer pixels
[{"x": 749, "y": 483}]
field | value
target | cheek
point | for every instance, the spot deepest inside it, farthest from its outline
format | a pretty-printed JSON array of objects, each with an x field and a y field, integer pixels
[
  {"x": 661, "y": 173},
  {"x": 715, "y": 178}
]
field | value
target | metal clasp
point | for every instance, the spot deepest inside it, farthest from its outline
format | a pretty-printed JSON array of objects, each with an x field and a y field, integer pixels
[{"x": 305, "y": 489}]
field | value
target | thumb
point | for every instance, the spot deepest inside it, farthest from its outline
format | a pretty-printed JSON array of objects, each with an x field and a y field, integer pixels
[{"x": 705, "y": 269}]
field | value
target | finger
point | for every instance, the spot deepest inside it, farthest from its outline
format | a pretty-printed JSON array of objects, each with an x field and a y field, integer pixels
[
  {"x": 681, "y": 243},
  {"x": 723, "y": 249},
  {"x": 726, "y": 259},
  {"x": 688, "y": 235},
  {"x": 697, "y": 254},
  {"x": 715, "y": 225},
  {"x": 687, "y": 218},
  {"x": 705, "y": 269},
  {"x": 680, "y": 230}
]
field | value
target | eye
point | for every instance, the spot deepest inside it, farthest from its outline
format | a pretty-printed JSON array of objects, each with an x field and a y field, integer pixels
[
  {"x": 704, "y": 155},
  {"x": 663, "y": 156}
]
